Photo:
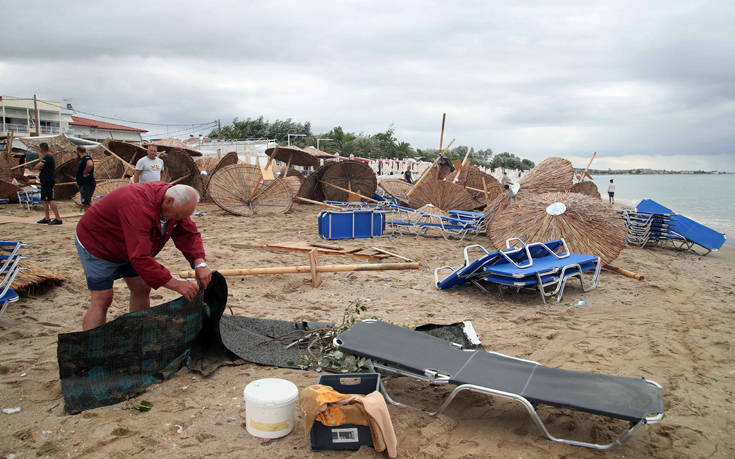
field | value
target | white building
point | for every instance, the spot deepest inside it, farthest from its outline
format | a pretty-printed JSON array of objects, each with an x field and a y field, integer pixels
[{"x": 98, "y": 131}]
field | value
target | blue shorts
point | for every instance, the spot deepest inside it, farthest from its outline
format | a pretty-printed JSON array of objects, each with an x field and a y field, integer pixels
[{"x": 101, "y": 273}]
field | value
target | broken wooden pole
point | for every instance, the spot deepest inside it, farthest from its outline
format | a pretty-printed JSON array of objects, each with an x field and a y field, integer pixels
[
  {"x": 307, "y": 269},
  {"x": 625, "y": 272}
]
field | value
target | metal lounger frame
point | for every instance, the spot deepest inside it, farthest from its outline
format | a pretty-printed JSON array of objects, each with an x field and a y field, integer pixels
[{"x": 434, "y": 378}]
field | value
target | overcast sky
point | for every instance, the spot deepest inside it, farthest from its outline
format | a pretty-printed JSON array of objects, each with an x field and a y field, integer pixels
[{"x": 644, "y": 86}]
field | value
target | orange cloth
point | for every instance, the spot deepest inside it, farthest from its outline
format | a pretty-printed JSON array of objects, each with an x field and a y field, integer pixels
[{"x": 326, "y": 405}]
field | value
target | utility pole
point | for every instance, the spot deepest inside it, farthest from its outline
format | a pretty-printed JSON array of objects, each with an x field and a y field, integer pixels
[
  {"x": 38, "y": 122},
  {"x": 294, "y": 135},
  {"x": 219, "y": 131}
]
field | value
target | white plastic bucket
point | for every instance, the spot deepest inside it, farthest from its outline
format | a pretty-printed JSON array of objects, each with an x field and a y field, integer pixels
[{"x": 270, "y": 406}]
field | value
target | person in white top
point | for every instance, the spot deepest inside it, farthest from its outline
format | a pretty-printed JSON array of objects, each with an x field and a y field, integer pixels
[
  {"x": 611, "y": 192},
  {"x": 149, "y": 167}
]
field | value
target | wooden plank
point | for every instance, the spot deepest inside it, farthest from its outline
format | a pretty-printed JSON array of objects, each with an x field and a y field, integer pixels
[
  {"x": 307, "y": 269},
  {"x": 286, "y": 248},
  {"x": 348, "y": 191},
  {"x": 319, "y": 203},
  {"x": 377, "y": 249},
  {"x": 326, "y": 246},
  {"x": 316, "y": 276}
]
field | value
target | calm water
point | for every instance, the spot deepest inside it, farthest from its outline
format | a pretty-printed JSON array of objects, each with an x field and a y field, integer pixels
[{"x": 708, "y": 199}]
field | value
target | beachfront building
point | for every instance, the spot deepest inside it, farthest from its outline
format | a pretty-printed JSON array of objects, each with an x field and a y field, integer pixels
[
  {"x": 18, "y": 115},
  {"x": 89, "y": 129}
]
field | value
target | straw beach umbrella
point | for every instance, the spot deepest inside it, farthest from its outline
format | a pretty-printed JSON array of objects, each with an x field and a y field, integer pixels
[
  {"x": 292, "y": 156},
  {"x": 442, "y": 194},
  {"x": 101, "y": 190},
  {"x": 61, "y": 147},
  {"x": 35, "y": 278},
  {"x": 587, "y": 189},
  {"x": 210, "y": 165},
  {"x": 397, "y": 188},
  {"x": 179, "y": 167},
  {"x": 9, "y": 191},
  {"x": 587, "y": 224},
  {"x": 240, "y": 189},
  {"x": 351, "y": 175},
  {"x": 312, "y": 186},
  {"x": 108, "y": 168},
  {"x": 552, "y": 174},
  {"x": 170, "y": 144}
]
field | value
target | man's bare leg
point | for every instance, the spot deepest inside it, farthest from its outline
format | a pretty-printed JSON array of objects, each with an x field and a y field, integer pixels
[
  {"x": 55, "y": 209},
  {"x": 97, "y": 313},
  {"x": 140, "y": 293},
  {"x": 46, "y": 209}
]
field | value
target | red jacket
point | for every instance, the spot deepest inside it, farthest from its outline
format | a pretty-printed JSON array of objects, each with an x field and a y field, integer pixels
[{"x": 125, "y": 226}]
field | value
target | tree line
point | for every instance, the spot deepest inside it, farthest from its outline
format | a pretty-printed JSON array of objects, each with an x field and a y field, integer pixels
[{"x": 378, "y": 145}]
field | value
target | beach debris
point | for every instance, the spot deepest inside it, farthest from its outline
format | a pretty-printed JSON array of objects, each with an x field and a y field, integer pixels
[
  {"x": 292, "y": 156},
  {"x": 550, "y": 175},
  {"x": 61, "y": 147},
  {"x": 371, "y": 253},
  {"x": 312, "y": 186},
  {"x": 211, "y": 164},
  {"x": 442, "y": 194},
  {"x": 33, "y": 278},
  {"x": 171, "y": 144},
  {"x": 179, "y": 167},
  {"x": 240, "y": 190},
  {"x": 625, "y": 272},
  {"x": 139, "y": 405},
  {"x": 352, "y": 179},
  {"x": 101, "y": 190},
  {"x": 397, "y": 189},
  {"x": 586, "y": 188},
  {"x": 314, "y": 268},
  {"x": 11, "y": 410},
  {"x": 587, "y": 224}
]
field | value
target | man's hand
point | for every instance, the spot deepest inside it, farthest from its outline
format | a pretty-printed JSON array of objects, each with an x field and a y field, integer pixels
[
  {"x": 203, "y": 275},
  {"x": 187, "y": 289}
]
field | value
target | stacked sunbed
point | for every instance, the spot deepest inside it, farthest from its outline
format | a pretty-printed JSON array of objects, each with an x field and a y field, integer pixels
[
  {"x": 9, "y": 267},
  {"x": 397, "y": 221},
  {"x": 654, "y": 224},
  {"x": 545, "y": 266}
]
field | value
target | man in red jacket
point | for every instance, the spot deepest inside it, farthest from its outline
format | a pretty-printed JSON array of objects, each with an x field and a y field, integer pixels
[{"x": 119, "y": 236}]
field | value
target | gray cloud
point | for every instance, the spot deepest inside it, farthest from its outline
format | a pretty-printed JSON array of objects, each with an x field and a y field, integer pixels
[{"x": 622, "y": 78}]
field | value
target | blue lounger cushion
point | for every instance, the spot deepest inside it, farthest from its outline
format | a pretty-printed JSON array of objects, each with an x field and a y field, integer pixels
[{"x": 541, "y": 265}]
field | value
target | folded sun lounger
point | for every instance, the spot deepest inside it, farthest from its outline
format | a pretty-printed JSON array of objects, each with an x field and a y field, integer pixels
[{"x": 414, "y": 354}]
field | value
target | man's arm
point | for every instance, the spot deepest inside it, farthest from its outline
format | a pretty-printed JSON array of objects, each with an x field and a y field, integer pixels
[
  {"x": 88, "y": 168},
  {"x": 39, "y": 165},
  {"x": 187, "y": 239},
  {"x": 136, "y": 176}
]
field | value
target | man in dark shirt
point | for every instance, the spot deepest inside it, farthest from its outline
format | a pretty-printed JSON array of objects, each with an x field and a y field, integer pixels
[
  {"x": 47, "y": 166},
  {"x": 85, "y": 177}
]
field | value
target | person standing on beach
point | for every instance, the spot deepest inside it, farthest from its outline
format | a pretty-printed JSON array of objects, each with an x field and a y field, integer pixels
[
  {"x": 119, "y": 236},
  {"x": 47, "y": 166},
  {"x": 407, "y": 176},
  {"x": 149, "y": 167},
  {"x": 505, "y": 180},
  {"x": 611, "y": 192},
  {"x": 85, "y": 177}
]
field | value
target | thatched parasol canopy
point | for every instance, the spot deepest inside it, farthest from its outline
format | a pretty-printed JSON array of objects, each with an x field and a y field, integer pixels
[
  {"x": 312, "y": 186},
  {"x": 320, "y": 154},
  {"x": 61, "y": 147},
  {"x": 173, "y": 144},
  {"x": 35, "y": 278},
  {"x": 551, "y": 174},
  {"x": 109, "y": 168},
  {"x": 351, "y": 175},
  {"x": 294, "y": 156},
  {"x": 9, "y": 191},
  {"x": 587, "y": 224},
  {"x": 397, "y": 189},
  {"x": 130, "y": 152},
  {"x": 436, "y": 214},
  {"x": 179, "y": 167},
  {"x": 293, "y": 183},
  {"x": 442, "y": 194},
  {"x": 212, "y": 164},
  {"x": 66, "y": 173},
  {"x": 101, "y": 190},
  {"x": 240, "y": 190},
  {"x": 587, "y": 189}
]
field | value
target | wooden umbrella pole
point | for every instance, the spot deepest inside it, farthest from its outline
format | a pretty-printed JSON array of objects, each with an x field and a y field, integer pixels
[
  {"x": 441, "y": 136},
  {"x": 319, "y": 203},
  {"x": 26, "y": 164},
  {"x": 348, "y": 191},
  {"x": 125, "y": 163},
  {"x": 288, "y": 164},
  {"x": 451, "y": 142},
  {"x": 588, "y": 167},
  {"x": 462, "y": 165},
  {"x": 423, "y": 176},
  {"x": 183, "y": 177},
  {"x": 625, "y": 272},
  {"x": 484, "y": 190},
  {"x": 267, "y": 165},
  {"x": 9, "y": 146},
  {"x": 308, "y": 268},
  {"x": 65, "y": 183}
]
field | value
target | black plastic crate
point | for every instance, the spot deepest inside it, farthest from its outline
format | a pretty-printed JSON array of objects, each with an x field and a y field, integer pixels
[{"x": 346, "y": 436}]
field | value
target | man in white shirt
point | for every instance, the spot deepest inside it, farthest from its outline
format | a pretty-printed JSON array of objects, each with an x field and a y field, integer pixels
[
  {"x": 149, "y": 167},
  {"x": 611, "y": 192}
]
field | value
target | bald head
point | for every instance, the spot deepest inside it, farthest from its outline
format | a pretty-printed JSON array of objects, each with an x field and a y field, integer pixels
[{"x": 179, "y": 202}]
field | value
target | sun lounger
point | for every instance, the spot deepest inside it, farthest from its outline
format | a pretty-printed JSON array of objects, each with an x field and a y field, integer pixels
[
  {"x": 417, "y": 355},
  {"x": 417, "y": 223},
  {"x": 29, "y": 198},
  {"x": 9, "y": 268},
  {"x": 351, "y": 224},
  {"x": 540, "y": 265},
  {"x": 683, "y": 232}
]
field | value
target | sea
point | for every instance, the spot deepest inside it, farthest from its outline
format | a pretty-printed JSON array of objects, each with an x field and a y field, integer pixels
[{"x": 708, "y": 199}]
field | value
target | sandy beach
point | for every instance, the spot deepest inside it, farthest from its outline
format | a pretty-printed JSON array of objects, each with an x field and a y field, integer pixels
[{"x": 674, "y": 327}]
